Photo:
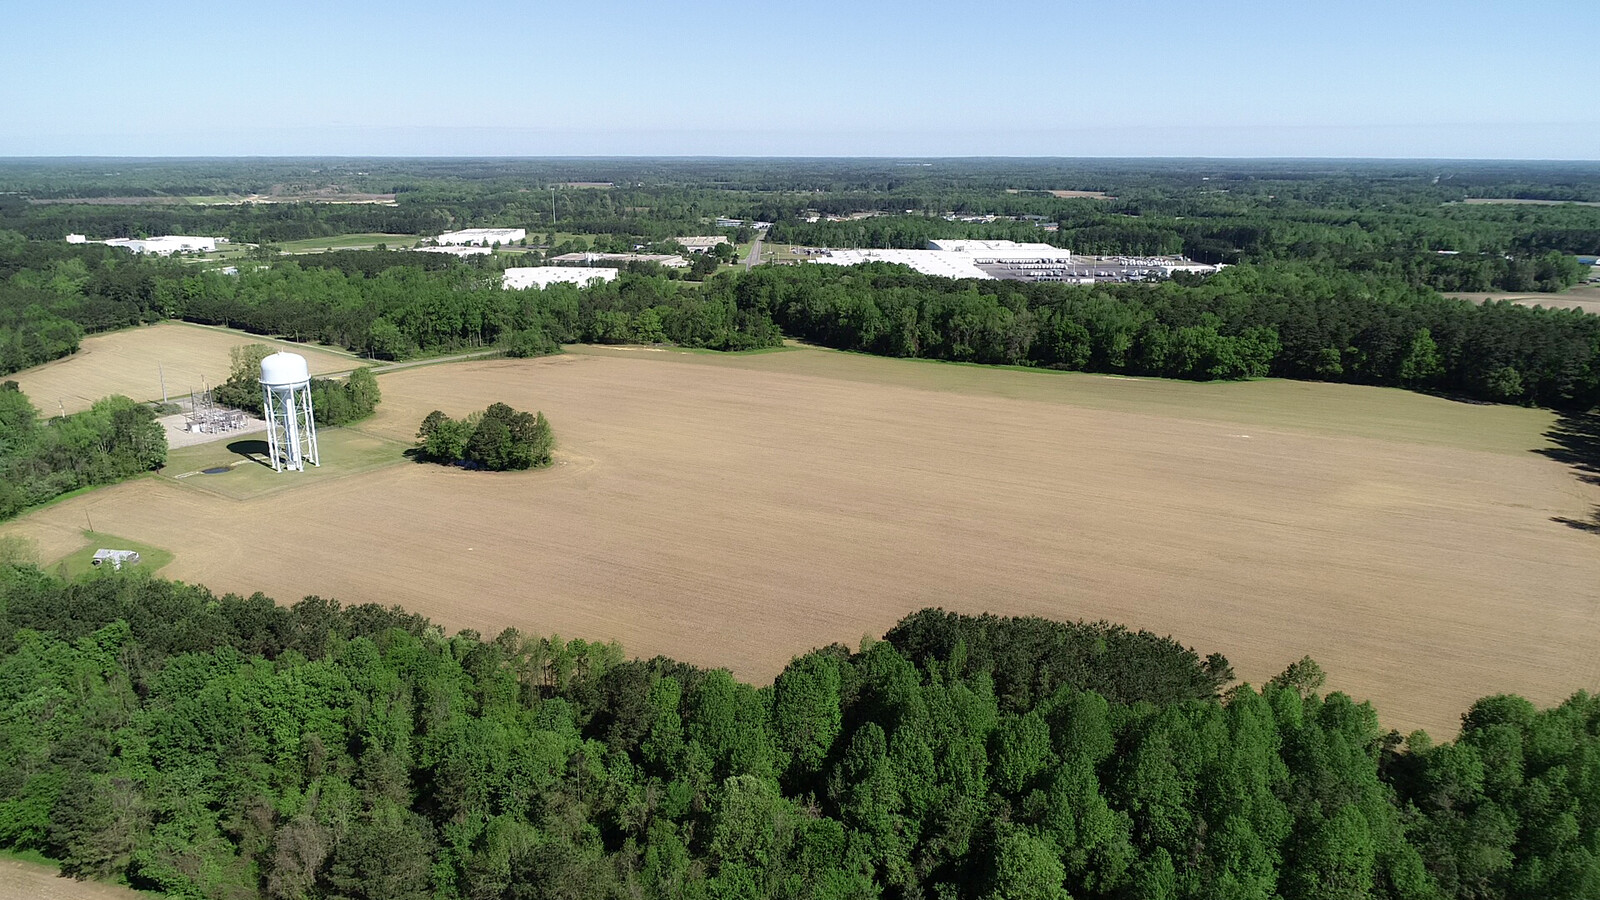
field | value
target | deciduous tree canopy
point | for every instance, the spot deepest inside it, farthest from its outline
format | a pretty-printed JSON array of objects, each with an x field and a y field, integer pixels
[{"x": 227, "y": 747}]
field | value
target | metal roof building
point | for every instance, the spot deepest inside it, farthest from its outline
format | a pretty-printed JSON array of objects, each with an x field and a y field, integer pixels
[
  {"x": 519, "y": 278},
  {"x": 482, "y": 237}
]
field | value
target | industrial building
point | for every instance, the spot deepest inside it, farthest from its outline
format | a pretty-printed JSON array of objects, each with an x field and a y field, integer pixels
[
  {"x": 462, "y": 250},
  {"x": 516, "y": 279},
  {"x": 482, "y": 237},
  {"x": 160, "y": 246},
  {"x": 701, "y": 244},
  {"x": 670, "y": 260},
  {"x": 1012, "y": 261}
]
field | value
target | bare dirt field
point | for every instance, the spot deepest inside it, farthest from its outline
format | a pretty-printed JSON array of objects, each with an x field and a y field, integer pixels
[
  {"x": 21, "y": 880},
  {"x": 1506, "y": 201},
  {"x": 1585, "y": 297},
  {"x": 739, "y": 510},
  {"x": 131, "y": 362}
]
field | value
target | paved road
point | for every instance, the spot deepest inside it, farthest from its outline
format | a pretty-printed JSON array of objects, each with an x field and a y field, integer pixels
[{"x": 755, "y": 254}]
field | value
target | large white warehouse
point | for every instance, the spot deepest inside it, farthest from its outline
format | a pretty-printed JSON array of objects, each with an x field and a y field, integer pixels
[
  {"x": 482, "y": 237},
  {"x": 944, "y": 263},
  {"x": 165, "y": 245},
  {"x": 1012, "y": 261},
  {"x": 515, "y": 279}
]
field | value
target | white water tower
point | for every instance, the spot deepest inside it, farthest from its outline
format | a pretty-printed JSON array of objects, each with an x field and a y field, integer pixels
[{"x": 291, "y": 424}]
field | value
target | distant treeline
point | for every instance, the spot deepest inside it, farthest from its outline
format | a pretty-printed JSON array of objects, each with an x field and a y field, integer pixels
[
  {"x": 41, "y": 460},
  {"x": 387, "y": 305},
  {"x": 227, "y": 747},
  {"x": 1293, "y": 321},
  {"x": 1382, "y": 216}
]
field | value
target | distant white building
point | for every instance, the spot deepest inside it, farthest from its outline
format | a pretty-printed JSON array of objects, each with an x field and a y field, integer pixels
[
  {"x": 944, "y": 263},
  {"x": 670, "y": 260},
  {"x": 1010, "y": 260},
  {"x": 519, "y": 278},
  {"x": 482, "y": 237},
  {"x": 464, "y": 250},
  {"x": 165, "y": 245},
  {"x": 77, "y": 239},
  {"x": 701, "y": 244},
  {"x": 1001, "y": 250}
]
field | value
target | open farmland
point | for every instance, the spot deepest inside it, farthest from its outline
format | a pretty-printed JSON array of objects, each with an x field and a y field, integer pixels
[
  {"x": 1585, "y": 297},
  {"x": 26, "y": 880},
  {"x": 739, "y": 510},
  {"x": 131, "y": 363}
]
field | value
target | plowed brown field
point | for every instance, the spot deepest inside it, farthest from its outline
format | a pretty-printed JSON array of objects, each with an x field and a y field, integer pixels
[
  {"x": 21, "y": 880},
  {"x": 737, "y": 511},
  {"x": 132, "y": 362}
]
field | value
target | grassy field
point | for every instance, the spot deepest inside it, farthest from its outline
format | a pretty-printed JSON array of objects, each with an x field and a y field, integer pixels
[
  {"x": 249, "y": 474},
  {"x": 133, "y": 362},
  {"x": 31, "y": 877},
  {"x": 739, "y": 510}
]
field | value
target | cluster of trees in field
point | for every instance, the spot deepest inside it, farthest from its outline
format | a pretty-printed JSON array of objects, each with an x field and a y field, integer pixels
[
  {"x": 219, "y": 747},
  {"x": 498, "y": 439},
  {"x": 40, "y": 460},
  {"x": 1293, "y": 321},
  {"x": 335, "y": 401}
]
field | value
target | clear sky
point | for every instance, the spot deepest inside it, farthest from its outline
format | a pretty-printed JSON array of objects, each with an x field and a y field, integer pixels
[{"x": 1403, "y": 78}]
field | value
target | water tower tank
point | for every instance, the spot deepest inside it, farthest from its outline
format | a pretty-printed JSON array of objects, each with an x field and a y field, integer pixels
[
  {"x": 284, "y": 369},
  {"x": 291, "y": 422}
]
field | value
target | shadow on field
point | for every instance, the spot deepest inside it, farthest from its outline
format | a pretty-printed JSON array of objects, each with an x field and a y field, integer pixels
[
  {"x": 256, "y": 451},
  {"x": 1577, "y": 443}
]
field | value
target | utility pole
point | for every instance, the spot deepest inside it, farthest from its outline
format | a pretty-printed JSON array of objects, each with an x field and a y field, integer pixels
[{"x": 163, "y": 375}]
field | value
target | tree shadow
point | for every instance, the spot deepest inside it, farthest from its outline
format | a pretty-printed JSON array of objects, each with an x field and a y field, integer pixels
[
  {"x": 1576, "y": 437},
  {"x": 256, "y": 451}
]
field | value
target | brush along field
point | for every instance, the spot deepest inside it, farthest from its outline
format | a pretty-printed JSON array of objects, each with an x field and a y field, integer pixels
[
  {"x": 736, "y": 511},
  {"x": 131, "y": 362}
]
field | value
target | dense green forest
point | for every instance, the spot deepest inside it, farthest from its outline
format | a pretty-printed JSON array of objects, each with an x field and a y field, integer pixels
[
  {"x": 228, "y": 747},
  {"x": 1290, "y": 319},
  {"x": 1293, "y": 321},
  {"x": 39, "y": 460},
  {"x": 1393, "y": 215}
]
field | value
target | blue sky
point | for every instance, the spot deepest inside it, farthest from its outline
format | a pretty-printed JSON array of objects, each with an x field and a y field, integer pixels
[{"x": 1139, "y": 78}]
